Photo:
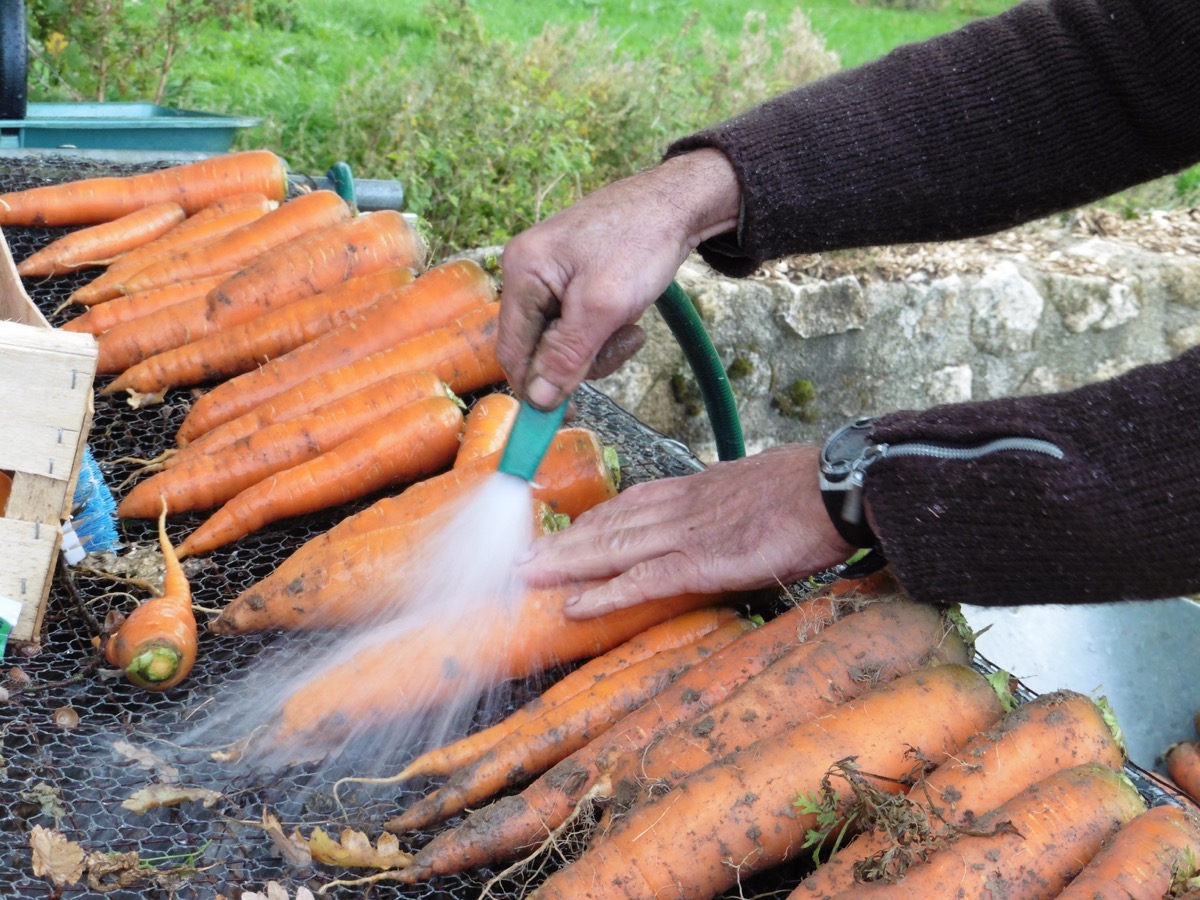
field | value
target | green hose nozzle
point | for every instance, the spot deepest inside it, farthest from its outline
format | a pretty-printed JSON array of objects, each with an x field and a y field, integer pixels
[{"x": 530, "y": 438}]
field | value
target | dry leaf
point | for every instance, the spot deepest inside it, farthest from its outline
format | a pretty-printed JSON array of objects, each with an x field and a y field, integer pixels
[
  {"x": 137, "y": 400},
  {"x": 108, "y": 871},
  {"x": 156, "y": 795},
  {"x": 354, "y": 850},
  {"x": 55, "y": 857},
  {"x": 164, "y": 771},
  {"x": 294, "y": 849},
  {"x": 274, "y": 891}
]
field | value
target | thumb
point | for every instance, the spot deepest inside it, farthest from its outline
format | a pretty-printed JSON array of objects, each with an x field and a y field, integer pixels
[{"x": 560, "y": 363}]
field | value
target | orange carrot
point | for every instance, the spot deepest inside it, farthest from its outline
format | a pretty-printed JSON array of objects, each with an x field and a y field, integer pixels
[
  {"x": 312, "y": 263},
  {"x": 434, "y": 301},
  {"x": 358, "y": 581},
  {"x": 561, "y": 730},
  {"x": 209, "y": 224},
  {"x": 205, "y": 480},
  {"x": 1182, "y": 760},
  {"x": 521, "y": 822},
  {"x": 1030, "y": 847},
  {"x": 242, "y": 246},
  {"x": 669, "y": 635},
  {"x": 1035, "y": 740},
  {"x": 156, "y": 645},
  {"x": 405, "y": 445},
  {"x": 400, "y": 674},
  {"x": 192, "y": 185},
  {"x": 488, "y": 424},
  {"x": 462, "y": 353},
  {"x": 97, "y": 245},
  {"x": 101, "y": 317},
  {"x": 1141, "y": 860},
  {"x": 739, "y": 816},
  {"x": 232, "y": 351}
]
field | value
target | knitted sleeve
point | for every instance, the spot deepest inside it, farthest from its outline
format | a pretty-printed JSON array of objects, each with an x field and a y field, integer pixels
[
  {"x": 1050, "y": 105},
  {"x": 1118, "y": 518}
]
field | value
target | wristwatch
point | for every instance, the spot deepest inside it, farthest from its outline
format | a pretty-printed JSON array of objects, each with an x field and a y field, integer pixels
[{"x": 844, "y": 462}]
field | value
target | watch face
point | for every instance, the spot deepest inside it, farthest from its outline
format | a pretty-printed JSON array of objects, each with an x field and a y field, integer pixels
[{"x": 845, "y": 448}]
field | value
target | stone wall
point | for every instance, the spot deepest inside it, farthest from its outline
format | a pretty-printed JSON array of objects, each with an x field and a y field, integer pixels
[{"x": 811, "y": 342}]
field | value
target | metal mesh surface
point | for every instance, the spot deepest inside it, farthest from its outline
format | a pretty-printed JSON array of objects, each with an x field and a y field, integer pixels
[{"x": 69, "y": 778}]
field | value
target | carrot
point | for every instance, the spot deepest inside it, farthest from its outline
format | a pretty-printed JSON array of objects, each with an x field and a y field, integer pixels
[
  {"x": 488, "y": 424},
  {"x": 669, "y": 635},
  {"x": 876, "y": 645},
  {"x": 415, "y": 670},
  {"x": 238, "y": 248},
  {"x": 1029, "y": 847},
  {"x": 534, "y": 746},
  {"x": 1141, "y": 860},
  {"x": 522, "y": 821},
  {"x": 232, "y": 351},
  {"x": 205, "y": 480},
  {"x": 739, "y": 816},
  {"x": 405, "y": 445},
  {"x": 5, "y": 490},
  {"x": 1035, "y": 740},
  {"x": 312, "y": 263},
  {"x": 97, "y": 245},
  {"x": 192, "y": 185},
  {"x": 1182, "y": 760},
  {"x": 101, "y": 317},
  {"x": 303, "y": 594},
  {"x": 448, "y": 308},
  {"x": 210, "y": 223},
  {"x": 156, "y": 645}
]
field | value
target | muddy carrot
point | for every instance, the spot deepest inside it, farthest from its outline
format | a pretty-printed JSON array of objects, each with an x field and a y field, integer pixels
[
  {"x": 97, "y": 245},
  {"x": 407, "y": 444},
  {"x": 1049, "y": 733},
  {"x": 240, "y": 247},
  {"x": 461, "y": 352},
  {"x": 241, "y": 348},
  {"x": 192, "y": 185},
  {"x": 488, "y": 424},
  {"x": 1141, "y": 860},
  {"x": 1182, "y": 760},
  {"x": 156, "y": 645},
  {"x": 739, "y": 816},
  {"x": 312, "y": 263},
  {"x": 559, "y": 731},
  {"x": 101, "y": 317}
]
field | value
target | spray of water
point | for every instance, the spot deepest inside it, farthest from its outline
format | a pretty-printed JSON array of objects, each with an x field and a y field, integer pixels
[{"x": 412, "y": 677}]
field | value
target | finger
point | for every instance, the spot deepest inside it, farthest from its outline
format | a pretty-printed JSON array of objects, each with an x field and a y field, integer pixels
[
  {"x": 528, "y": 304},
  {"x": 655, "y": 579},
  {"x": 624, "y": 343}
]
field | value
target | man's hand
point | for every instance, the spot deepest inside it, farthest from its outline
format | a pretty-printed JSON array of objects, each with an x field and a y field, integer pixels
[
  {"x": 739, "y": 525},
  {"x": 576, "y": 284}
]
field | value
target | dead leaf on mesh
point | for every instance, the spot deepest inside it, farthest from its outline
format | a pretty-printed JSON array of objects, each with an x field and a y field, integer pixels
[
  {"x": 274, "y": 891},
  {"x": 164, "y": 771},
  {"x": 108, "y": 871},
  {"x": 157, "y": 795},
  {"x": 55, "y": 857},
  {"x": 294, "y": 848},
  {"x": 137, "y": 399},
  {"x": 354, "y": 850}
]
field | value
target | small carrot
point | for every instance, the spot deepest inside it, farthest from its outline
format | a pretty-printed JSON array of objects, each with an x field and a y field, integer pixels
[
  {"x": 559, "y": 731},
  {"x": 444, "y": 322},
  {"x": 739, "y": 815},
  {"x": 405, "y": 445},
  {"x": 669, "y": 635},
  {"x": 312, "y": 263},
  {"x": 192, "y": 185},
  {"x": 1141, "y": 860},
  {"x": 1182, "y": 760},
  {"x": 1033, "y": 741},
  {"x": 242, "y": 246},
  {"x": 205, "y": 480},
  {"x": 240, "y": 348},
  {"x": 101, "y": 317},
  {"x": 1030, "y": 847},
  {"x": 210, "y": 223},
  {"x": 488, "y": 424},
  {"x": 156, "y": 645},
  {"x": 97, "y": 245}
]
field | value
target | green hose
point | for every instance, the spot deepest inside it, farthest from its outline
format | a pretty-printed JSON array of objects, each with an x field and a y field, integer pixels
[
  {"x": 343, "y": 182},
  {"x": 680, "y": 314}
]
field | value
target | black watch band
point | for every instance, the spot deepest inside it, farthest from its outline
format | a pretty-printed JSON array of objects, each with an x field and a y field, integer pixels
[{"x": 845, "y": 458}]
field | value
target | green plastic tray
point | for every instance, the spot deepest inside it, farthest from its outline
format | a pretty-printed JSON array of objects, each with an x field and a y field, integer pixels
[{"x": 121, "y": 126}]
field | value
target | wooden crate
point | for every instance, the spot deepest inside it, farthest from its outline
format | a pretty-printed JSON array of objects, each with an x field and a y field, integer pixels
[{"x": 46, "y": 380}]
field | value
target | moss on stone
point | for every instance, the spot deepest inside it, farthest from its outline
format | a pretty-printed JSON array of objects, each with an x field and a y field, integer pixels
[
  {"x": 741, "y": 367},
  {"x": 797, "y": 400}
]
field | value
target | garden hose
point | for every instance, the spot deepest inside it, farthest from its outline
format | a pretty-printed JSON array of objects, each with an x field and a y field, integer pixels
[
  {"x": 343, "y": 182},
  {"x": 680, "y": 314}
]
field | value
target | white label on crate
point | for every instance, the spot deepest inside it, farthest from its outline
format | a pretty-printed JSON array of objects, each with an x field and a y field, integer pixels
[{"x": 10, "y": 609}]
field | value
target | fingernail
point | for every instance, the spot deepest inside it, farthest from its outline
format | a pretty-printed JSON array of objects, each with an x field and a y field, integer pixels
[
  {"x": 573, "y": 601},
  {"x": 542, "y": 393}
]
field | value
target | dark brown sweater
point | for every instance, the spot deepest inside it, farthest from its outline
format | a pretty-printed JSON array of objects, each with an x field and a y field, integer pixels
[{"x": 1053, "y": 104}]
